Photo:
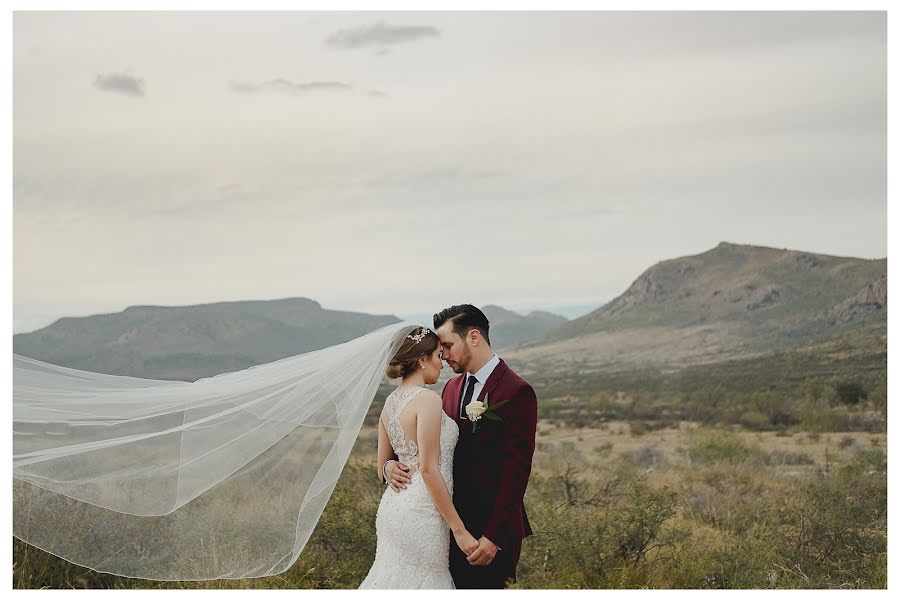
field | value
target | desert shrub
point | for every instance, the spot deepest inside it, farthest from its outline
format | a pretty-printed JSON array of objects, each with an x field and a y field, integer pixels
[
  {"x": 604, "y": 448},
  {"x": 814, "y": 389},
  {"x": 640, "y": 519},
  {"x": 846, "y": 442},
  {"x": 755, "y": 420},
  {"x": 860, "y": 420},
  {"x": 568, "y": 465},
  {"x": 647, "y": 457},
  {"x": 721, "y": 446},
  {"x": 787, "y": 457},
  {"x": 609, "y": 543},
  {"x": 850, "y": 392},
  {"x": 878, "y": 398},
  {"x": 837, "y": 535},
  {"x": 638, "y": 428},
  {"x": 778, "y": 408},
  {"x": 724, "y": 561},
  {"x": 34, "y": 568},
  {"x": 818, "y": 418}
]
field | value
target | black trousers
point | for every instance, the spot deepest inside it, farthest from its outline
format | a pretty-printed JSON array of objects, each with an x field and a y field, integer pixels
[{"x": 492, "y": 576}]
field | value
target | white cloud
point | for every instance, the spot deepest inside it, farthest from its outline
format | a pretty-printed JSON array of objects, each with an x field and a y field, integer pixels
[{"x": 380, "y": 34}]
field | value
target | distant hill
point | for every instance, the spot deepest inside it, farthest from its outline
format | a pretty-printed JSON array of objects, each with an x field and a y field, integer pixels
[
  {"x": 730, "y": 302},
  {"x": 191, "y": 342},
  {"x": 508, "y": 327}
]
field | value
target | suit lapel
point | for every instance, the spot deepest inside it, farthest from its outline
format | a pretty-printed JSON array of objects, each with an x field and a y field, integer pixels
[
  {"x": 454, "y": 394},
  {"x": 456, "y": 389},
  {"x": 494, "y": 380}
]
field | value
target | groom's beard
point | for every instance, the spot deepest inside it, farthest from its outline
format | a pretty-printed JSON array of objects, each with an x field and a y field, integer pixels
[{"x": 463, "y": 365}]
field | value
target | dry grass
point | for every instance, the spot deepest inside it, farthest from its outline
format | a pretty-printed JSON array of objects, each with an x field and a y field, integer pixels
[
  {"x": 616, "y": 440},
  {"x": 626, "y": 506}
]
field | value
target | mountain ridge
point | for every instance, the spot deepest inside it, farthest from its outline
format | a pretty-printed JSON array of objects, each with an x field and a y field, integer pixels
[
  {"x": 731, "y": 301},
  {"x": 194, "y": 341},
  {"x": 508, "y": 327}
]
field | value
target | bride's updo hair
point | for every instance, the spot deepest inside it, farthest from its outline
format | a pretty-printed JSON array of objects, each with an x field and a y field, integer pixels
[{"x": 421, "y": 341}]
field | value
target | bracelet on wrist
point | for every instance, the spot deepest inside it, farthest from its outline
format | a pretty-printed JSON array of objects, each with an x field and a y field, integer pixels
[{"x": 383, "y": 469}]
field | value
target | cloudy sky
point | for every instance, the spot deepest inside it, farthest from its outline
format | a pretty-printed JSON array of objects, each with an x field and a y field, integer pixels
[{"x": 401, "y": 162}]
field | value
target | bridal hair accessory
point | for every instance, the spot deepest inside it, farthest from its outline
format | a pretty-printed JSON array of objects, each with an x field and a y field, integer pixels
[{"x": 418, "y": 337}]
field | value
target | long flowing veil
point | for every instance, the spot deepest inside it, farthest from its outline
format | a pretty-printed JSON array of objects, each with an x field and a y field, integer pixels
[{"x": 225, "y": 477}]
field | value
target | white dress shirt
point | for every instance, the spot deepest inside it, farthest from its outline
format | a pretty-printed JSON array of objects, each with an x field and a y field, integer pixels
[{"x": 481, "y": 377}]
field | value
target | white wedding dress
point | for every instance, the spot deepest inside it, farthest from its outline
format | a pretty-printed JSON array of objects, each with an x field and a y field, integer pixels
[{"x": 413, "y": 549}]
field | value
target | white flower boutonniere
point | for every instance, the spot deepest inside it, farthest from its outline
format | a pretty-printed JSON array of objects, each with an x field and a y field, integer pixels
[{"x": 476, "y": 409}]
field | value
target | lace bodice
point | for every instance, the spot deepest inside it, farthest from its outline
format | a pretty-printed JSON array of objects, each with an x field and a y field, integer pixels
[{"x": 407, "y": 450}]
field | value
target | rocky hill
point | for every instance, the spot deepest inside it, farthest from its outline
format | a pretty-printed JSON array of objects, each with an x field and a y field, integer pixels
[
  {"x": 729, "y": 302},
  {"x": 871, "y": 300}
]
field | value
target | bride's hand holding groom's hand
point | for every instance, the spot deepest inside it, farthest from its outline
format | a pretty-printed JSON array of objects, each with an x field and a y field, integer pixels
[
  {"x": 466, "y": 541},
  {"x": 484, "y": 554}
]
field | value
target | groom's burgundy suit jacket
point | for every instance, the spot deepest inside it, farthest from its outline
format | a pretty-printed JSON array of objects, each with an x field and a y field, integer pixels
[{"x": 491, "y": 466}]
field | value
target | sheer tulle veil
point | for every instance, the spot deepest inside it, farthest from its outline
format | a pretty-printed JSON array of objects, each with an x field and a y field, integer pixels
[{"x": 225, "y": 477}]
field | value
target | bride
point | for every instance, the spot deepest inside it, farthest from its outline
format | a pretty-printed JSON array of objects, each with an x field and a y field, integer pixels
[{"x": 413, "y": 525}]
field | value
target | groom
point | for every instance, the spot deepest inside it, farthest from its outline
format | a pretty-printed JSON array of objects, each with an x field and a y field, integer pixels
[{"x": 491, "y": 465}]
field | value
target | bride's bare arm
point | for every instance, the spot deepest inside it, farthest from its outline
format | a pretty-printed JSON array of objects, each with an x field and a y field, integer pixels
[{"x": 428, "y": 434}]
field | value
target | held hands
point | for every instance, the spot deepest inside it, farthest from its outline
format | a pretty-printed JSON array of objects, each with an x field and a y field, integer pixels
[
  {"x": 397, "y": 475},
  {"x": 478, "y": 552},
  {"x": 466, "y": 542},
  {"x": 483, "y": 554}
]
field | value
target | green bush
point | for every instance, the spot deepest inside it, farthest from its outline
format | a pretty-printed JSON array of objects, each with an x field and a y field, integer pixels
[
  {"x": 814, "y": 417},
  {"x": 755, "y": 420},
  {"x": 836, "y": 535},
  {"x": 850, "y": 392},
  {"x": 609, "y": 542},
  {"x": 721, "y": 446}
]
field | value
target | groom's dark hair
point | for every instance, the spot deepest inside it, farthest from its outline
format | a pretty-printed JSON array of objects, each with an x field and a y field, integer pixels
[{"x": 465, "y": 318}]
